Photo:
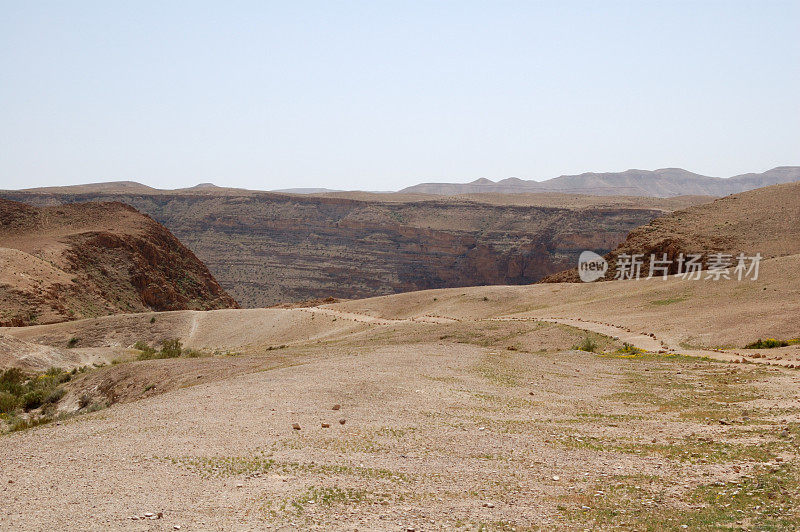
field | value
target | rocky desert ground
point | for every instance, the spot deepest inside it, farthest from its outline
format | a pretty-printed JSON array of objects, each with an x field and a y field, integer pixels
[{"x": 467, "y": 408}]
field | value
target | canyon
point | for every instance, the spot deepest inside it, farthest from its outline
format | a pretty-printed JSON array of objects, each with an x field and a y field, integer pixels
[{"x": 267, "y": 248}]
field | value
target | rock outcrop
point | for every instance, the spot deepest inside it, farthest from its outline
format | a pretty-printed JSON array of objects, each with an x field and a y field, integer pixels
[
  {"x": 91, "y": 259},
  {"x": 764, "y": 221}
]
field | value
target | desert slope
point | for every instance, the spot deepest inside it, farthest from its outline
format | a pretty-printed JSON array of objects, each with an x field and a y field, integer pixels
[
  {"x": 86, "y": 260},
  {"x": 765, "y": 221},
  {"x": 461, "y": 408}
]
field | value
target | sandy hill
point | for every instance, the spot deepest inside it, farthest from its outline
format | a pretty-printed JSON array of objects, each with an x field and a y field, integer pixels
[
  {"x": 665, "y": 182},
  {"x": 765, "y": 221},
  {"x": 85, "y": 260}
]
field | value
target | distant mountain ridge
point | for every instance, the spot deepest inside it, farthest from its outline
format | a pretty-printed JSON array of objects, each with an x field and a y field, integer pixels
[{"x": 663, "y": 183}]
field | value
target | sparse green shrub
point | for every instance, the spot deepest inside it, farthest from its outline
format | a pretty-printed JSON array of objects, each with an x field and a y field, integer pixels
[
  {"x": 33, "y": 399},
  {"x": 23, "y": 424},
  {"x": 56, "y": 376},
  {"x": 8, "y": 402},
  {"x": 55, "y": 396},
  {"x": 153, "y": 319},
  {"x": 147, "y": 352},
  {"x": 587, "y": 344},
  {"x": 769, "y": 343},
  {"x": 11, "y": 381},
  {"x": 171, "y": 348},
  {"x": 94, "y": 407},
  {"x": 192, "y": 353},
  {"x": 73, "y": 342},
  {"x": 141, "y": 346},
  {"x": 628, "y": 349},
  {"x": 18, "y": 390}
]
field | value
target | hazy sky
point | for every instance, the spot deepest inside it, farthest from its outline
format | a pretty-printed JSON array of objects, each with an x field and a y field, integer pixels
[{"x": 380, "y": 94}]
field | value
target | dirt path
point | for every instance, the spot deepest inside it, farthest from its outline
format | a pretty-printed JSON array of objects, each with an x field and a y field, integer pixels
[
  {"x": 649, "y": 343},
  {"x": 195, "y": 323},
  {"x": 352, "y": 316}
]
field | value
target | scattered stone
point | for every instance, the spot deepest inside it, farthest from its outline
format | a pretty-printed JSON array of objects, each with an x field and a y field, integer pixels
[
  {"x": 326, "y": 425},
  {"x": 176, "y": 527},
  {"x": 296, "y": 426},
  {"x": 336, "y": 407},
  {"x": 556, "y": 478},
  {"x": 342, "y": 421},
  {"x": 239, "y": 485},
  {"x": 488, "y": 505}
]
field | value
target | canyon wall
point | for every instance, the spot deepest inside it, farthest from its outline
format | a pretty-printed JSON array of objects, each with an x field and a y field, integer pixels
[{"x": 266, "y": 248}]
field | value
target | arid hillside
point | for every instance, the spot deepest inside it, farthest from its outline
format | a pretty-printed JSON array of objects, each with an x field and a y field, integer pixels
[
  {"x": 626, "y": 405},
  {"x": 87, "y": 260},
  {"x": 269, "y": 248},
  {"x": 765, "y": 221}
]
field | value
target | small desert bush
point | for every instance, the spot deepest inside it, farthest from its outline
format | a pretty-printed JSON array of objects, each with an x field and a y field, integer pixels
[
  {"x": 769, "y": 343},
  {"x": 73, "y": 342},
  {"x": 11, "y": 381},
  {"x": 587, "y": 344},
  {"x": 33, "y": 399},
  {"x": 24, "y": 424},
  {"x": 29, "y": 392},
  {"x": 628, "y": 349},
  {"x": 8, "y": 402},
  {"x": 172, "y": 348},
  {"x": 147, "y": 352}
]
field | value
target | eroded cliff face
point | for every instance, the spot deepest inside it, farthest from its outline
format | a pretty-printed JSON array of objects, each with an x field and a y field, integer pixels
[
  {"x": 764, "y": 221},
  {"x": 92, "y": 259},
  {"x": 268, "y": 248}
]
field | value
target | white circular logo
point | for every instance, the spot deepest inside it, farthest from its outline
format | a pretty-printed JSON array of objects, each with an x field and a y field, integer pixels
[{"x": 591, "y": 266}]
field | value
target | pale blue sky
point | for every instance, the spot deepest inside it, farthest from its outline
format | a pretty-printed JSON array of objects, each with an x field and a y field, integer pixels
[{"x": 382, "y": 94}]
